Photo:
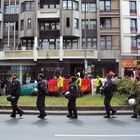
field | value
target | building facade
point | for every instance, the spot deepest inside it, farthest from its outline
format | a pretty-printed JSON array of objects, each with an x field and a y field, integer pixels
[
  {"x": 59, "y": 36},
  {"x": 130, "y": 27}
]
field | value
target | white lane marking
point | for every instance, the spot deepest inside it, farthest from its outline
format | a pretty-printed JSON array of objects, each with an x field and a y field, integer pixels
[{"x": 67, "y": 135}]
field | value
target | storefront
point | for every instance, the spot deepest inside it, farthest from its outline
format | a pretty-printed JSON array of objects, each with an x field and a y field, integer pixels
[
  {"x": 25, "y": 71},
  {"x": 130, "y": 68}
]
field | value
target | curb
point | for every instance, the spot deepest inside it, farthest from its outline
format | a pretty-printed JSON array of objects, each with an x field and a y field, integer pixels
[{"x": 62, "y": 110}]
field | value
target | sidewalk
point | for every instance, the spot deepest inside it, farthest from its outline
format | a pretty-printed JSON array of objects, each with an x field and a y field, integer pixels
[{"x": 62, "y": 110}]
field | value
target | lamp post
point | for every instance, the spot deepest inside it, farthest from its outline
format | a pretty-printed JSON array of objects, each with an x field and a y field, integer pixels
[{"x": 85, "y": 48}]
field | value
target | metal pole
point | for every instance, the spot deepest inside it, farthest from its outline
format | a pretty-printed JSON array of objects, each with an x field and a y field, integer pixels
[
  {"x": 98, "y": 30},
  {"x": 36, "y": 33},
  {"x": 85, "y": 48}
]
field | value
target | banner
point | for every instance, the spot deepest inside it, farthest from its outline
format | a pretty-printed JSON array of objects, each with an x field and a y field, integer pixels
[
  {"x": 52, "y": 86},
  {"x": 86, "y": 85}
]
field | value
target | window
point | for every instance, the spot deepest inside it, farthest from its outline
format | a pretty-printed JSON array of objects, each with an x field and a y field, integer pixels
[
  {"x": 52, "y": 44},
  {"x": 67, "y": 22},
  {"x": 105, "y": 23},
  {"x": 83, "y": 24},
  {"x": 75, "y": 5},
  {"x": 133, "y": 25},
  {"x": 70, "y": 43},
  {"x": 84, "y": 7},
  {"x": 91, "y": 43},
  {"x": 134, "y": 44},
  {"x": 54, "y": 25},
  {"x": 106, "y": 43},
  {"x": 28, "y": 6},
  {"x": 22, "y": 25},
  {"x": 133, "y": 7},
  {"x": 76, "y": 23},
  {"x": 93, "y": 25},
  {"x": 64, "y": 4},
  {"x": 70, "y": 5},
  {"x": 29, "y": 23},
  {"x": 92, "y": 7},
  {"x": 47, "y": 26},
  {"x": 12, "y": 8},
  {"x": 105, "y": 5}
]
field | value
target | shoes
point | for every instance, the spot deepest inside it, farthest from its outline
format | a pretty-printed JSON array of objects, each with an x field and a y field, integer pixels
[
  {"x": 114, "y": 112},
  {"x": 74, "y": 117},
  {"x": 21, "y": 114},
  {"x": 42, "y": 116},
  {"x": 134, "y": 116},
  {"x": 69, "y": 116},
  {"x": 13, "y": 116},
  {"x": 106, "y": 116}
]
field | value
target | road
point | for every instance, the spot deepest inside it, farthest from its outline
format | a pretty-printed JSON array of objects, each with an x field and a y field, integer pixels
[{"x": 56, "y": 127}]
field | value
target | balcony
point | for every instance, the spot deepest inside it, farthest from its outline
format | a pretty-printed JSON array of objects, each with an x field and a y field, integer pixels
[
  {"x": 110, "y": 31},
  {"x": 109, "y": 54},
  {"x": 80, "y": 54},
  {"x": 18, "y": 54},
  {"x": 112, "y": 13},
  {"x": 47, "y": 54},
  {"x": 48, "y": 13}
]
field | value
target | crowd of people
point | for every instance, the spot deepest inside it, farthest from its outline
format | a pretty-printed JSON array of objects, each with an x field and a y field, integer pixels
[{"x": 106, "y": 89}]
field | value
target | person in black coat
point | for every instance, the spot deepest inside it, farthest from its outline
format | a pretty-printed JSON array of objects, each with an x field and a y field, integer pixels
[
  {"x": 15, "y": 93},
  {"x": 72, "y": 96},
  {"x": 41, "y": 86},
  {"x": 108, "y": 94}
]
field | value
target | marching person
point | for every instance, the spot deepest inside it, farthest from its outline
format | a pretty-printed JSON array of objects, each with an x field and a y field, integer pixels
[
  {"x": 136, "y": 94},
  {"x": 73, "y": 89},
  {"x": 98, "y": 84},
  {"x": 79, "y": 83},
  {"x": 41, "y": 85},
  {"x": 15, "y": 92},
  {"x": 108, "y": 94}
]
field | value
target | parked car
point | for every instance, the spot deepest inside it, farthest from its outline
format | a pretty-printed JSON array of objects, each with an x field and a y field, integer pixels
[{"x": 28, "y": 89}]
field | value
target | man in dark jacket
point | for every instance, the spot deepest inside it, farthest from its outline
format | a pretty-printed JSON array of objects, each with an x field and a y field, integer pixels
[
  {"x": 73, "y": 89},
  {"x": 15, "y": 93},
  {"x": 41, "y": 86},
  {"x": 108, "y": 93}
]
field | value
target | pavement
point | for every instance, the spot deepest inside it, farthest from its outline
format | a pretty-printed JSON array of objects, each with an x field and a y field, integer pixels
[{"x": 62, "y": 110}]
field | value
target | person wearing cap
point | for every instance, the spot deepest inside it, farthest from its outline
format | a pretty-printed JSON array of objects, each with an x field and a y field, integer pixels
[
  {"x": 41, "y": 96},
  {"x": 15, "y": 92},
  {"x": 73, "y": 89},
  {"x": 108, "y": 94}
]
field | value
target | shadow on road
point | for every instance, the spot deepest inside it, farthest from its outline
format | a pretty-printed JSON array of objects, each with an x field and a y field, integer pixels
[
  {"x": 41, "y": 123},
  {"x": 117, "y": 122},
  {"x": 12, "y": 121},
  {"x": 75, "y": 122}
]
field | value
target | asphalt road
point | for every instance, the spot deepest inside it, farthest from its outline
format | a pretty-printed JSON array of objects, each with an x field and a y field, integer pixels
[{"x": 55, "y": 127}]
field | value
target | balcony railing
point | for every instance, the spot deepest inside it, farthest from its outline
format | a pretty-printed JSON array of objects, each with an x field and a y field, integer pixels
[
  {"x": 48, "y": 13},
  {"x": 111, "y": 13},
  {"x": 109, "y": 30}
]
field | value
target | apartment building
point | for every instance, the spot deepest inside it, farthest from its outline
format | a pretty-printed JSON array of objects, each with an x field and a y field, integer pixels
[
  {"x": 130, "y": 27},
  {"x": 59, "y": 36}
]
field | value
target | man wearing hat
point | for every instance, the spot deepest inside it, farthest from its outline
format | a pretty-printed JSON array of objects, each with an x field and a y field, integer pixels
[{"x": 41, "y": 85}]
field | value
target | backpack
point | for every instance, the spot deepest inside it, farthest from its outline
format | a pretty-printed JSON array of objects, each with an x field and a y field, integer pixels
[{"x": 113, "y": 86}]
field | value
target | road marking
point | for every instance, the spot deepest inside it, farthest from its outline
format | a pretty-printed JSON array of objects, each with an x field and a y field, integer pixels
[{"x": 68, "y": 135}]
